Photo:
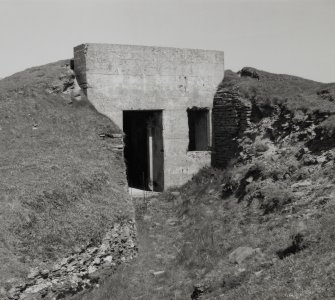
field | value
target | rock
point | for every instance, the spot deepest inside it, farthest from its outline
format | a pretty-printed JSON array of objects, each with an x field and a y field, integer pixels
[
  {"x": 33, "y": 273},
  {"x": 38, "y": 287},
  {"x": 77, "y": 249},
  {"x": 153, "y": 200},
  {"x": 240, "y": 254},
  {"x": 300, "y": 228},
  {"x": 117, "y": 135},
  {"x": 321, "y": 159},
  {"x": 92, "y": 269},
  {"x": 259, "y": 273},
  {"x": 75, "y": 278},
  {"x": 56, "y": 267},
  {"x": 2, "y": 291},
  {"x": 63, "y": 261},
  {"x": 55, "y": 281},
  {"x": 301, "y": 184},
  {"x": 84, "y": 258},
  {"x": 125, "y": 234},
  {"x": 147, "y": 218},
  {"x": 104, "y": 247},
  {"x": 199, "y": 290},
  {"x": 92, "y": 250},
  {"x": 14, "y": 292},
  {"x": 250, "y": 179},
  {"x": 70, "y": 268},
  {"x": 172, "y": 221},
  {"x": 309, "y": 159},
  {"x": 45, "y": 273},
  {"x": 249, "y": 72},
  {"x": 97, "y": 261},
  {"x": 83, "y": 274},
  {"x": 158, "y": 273},
  {"x": 108, "y": 259},
  {"x": 175, "y": 194}
]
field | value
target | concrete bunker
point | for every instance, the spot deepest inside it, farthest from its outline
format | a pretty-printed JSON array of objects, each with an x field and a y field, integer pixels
[
  {"x": 154, "y": 85},
  {"x": 144, "y": 150}
]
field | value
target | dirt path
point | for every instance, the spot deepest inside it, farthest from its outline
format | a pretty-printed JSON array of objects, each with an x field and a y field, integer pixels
[{"x": 151, "y": 275}]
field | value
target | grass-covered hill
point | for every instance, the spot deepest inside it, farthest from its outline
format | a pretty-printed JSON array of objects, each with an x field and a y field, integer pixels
[
  {"x": 62, "y": 176},
  {"x": 263, "y": 227}
]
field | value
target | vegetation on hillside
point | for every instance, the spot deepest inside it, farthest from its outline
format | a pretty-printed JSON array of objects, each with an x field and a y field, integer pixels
[
  {"x": 62, "y": 184},
  {"x": 263, "y": 228}
]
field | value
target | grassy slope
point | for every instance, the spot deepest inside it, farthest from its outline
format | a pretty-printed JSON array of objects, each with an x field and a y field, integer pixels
[
  {"x": 61, "y": 184},
  {"x": 267, "y": 201},
  {"x": 277, "y": 89}
]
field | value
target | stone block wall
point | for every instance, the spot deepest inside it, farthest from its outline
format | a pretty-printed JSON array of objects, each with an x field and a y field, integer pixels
[
  {"x": 231, "y": 117},
  {"x": 123, "y": 77}
]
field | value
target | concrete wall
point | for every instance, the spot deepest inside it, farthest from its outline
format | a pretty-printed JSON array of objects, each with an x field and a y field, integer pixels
[{"x": 123, "y": 77}]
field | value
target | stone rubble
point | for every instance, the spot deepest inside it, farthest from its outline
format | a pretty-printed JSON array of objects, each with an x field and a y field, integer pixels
[{"x": 81, "y": 270}]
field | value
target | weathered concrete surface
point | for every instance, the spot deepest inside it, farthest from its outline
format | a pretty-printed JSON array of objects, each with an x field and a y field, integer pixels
[{"x": 123, "y": 77}]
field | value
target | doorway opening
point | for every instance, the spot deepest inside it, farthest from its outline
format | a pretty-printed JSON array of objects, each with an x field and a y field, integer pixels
[{"x": 144, "y": 152}]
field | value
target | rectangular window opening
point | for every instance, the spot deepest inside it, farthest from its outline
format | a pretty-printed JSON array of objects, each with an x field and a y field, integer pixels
[{"x": 198, "y": 124}]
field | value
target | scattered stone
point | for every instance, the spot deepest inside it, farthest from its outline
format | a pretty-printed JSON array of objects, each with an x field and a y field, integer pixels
[
  {"x": 33, "y": 273},
  {"x": 250, "y": 179},
  {"x": 172, "y": 221},
  {"x": 108, "y": 259},
  {"x": 92, "y": 250},
  {"x": 301, "y": 184},
  {"x": 131, "y": 243},
  {"x": 125, "y": 234},
  {"x": 97, "y": 261},
  {"x": 104, "y": 247},
  {"x": 92, "y": 269},
  {"x": 45, "y": 273},
  {"x": 199, "y": 290},
  {"x": 36, "y": 288},
  {"x": 70, "y": 268},
  {"x": 77, "y": 249},
  {"x": 147, "y": 218},
  {"x": 240, "y": 254},
  {"x": 80, "y": 270},
  {"x": 158, "y": 273},
  {"x": 64, "y": 261},
  {"x": 259, "y": 273},
  {"x": 56, "y": 267},
  {"x": 321, "y": 159},
  {"x": 2, "y": 291},
  {"x": 309, "y": 160}
]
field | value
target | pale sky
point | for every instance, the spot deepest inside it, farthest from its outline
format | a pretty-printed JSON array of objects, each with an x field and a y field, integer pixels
[{"x": 282, "y": 36}]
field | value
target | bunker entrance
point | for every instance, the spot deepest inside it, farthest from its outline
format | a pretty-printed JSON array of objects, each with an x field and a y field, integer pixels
[{"x": 144, "y": 154}]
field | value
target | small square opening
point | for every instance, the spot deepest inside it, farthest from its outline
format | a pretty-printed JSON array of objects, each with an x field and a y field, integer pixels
[{"x": 198, "y": 119}]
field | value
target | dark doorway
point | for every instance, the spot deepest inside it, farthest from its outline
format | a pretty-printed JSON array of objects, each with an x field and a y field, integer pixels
[{"x": 144, "y": 152}]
